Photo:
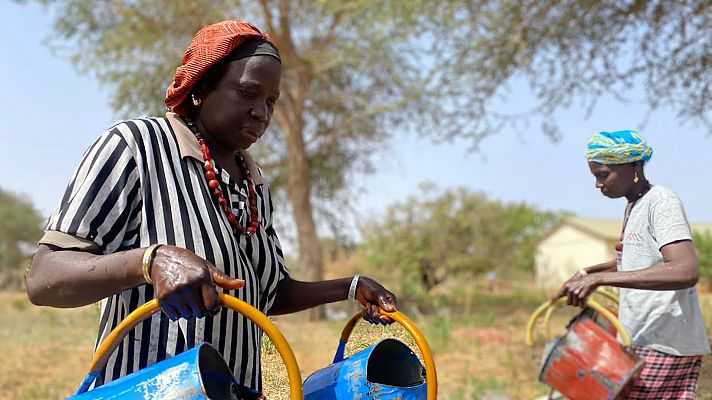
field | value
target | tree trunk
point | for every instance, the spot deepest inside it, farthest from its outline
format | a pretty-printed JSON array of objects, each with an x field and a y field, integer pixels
[
  {"x": 291, "y": 121},
  {"x": 299, "y": 191}
]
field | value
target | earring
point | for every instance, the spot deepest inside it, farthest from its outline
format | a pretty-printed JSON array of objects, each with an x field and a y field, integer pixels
[
  {"x": 197, "y": 101},
  {"x": 635, "y": 177}
]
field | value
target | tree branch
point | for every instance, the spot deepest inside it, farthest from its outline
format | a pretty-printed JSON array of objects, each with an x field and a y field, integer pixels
[{"x": 269, "y": 21}]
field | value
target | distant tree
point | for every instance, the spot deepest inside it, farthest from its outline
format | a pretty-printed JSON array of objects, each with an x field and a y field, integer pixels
[
  {"x": 20, "y": 229},
  {"x": 452, "y": 237},
  {"x": 354, "y": 71}
]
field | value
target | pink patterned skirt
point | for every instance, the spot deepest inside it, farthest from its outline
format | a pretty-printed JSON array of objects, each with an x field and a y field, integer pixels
[{"x": 666, "y": 376}]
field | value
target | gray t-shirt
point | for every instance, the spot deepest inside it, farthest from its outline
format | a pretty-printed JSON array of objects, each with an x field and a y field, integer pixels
[{"x": 669, "y": 321}]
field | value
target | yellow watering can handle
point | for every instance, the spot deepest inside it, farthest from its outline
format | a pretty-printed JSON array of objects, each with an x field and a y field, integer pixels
[
  {"x": 605, "y": 293},
  {"x": 609, "y": 295},
  {"x": 431, "y": 377},
  {"x": 112, "y": 340},
  {"x": 589, "y": 303}
]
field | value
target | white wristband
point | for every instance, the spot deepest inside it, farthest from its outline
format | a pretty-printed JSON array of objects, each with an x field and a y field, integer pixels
[
  {"x": 352, "y": 288},
  {"x": 583, "y": 272}
]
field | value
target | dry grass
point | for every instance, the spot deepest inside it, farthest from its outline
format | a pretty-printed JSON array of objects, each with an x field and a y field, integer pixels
[{"x": 44, "y": 352}]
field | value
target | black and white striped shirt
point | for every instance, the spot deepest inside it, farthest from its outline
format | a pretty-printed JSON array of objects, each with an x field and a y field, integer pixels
[{"x": 141, "y": 183}]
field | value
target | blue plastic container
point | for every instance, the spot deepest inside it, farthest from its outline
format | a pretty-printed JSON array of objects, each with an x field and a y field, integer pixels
[
  {"x": 199, "y": 373},
  {"x": 387, "y": 370}
]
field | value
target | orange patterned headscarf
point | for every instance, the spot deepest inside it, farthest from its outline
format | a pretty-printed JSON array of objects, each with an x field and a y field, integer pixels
[{"x": 210, "y": 45}]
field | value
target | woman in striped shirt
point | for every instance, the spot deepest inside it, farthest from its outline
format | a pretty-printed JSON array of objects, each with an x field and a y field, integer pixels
[{"x": 168, "y": 208}]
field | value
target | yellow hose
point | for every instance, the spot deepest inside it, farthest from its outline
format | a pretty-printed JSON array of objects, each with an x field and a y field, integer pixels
[
  {"x": 547, "y": 317},
  {"x": 625, "y": 338},
  {"x": 113, "y": 339},
  {"x": 431, "y": 377},
  {"x": 610, "y": 296}
]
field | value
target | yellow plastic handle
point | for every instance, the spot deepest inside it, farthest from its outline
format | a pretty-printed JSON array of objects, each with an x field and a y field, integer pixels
[
  {"x": 605, "y": 293},
  {"x": 589, "y": 303},
  {"x": 431, "y": 376},
  {"x": 609, "y": 295},
  {"x": 112, "y": 340}
]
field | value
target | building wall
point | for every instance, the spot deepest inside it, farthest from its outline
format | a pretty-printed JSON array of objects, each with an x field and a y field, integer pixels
[{"x": 567, "y": 250}]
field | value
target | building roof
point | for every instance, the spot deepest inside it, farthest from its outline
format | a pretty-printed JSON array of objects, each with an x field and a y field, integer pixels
[
  {"x": 604, "y": 228},
  {"x": 610, "y": 229},
  {"x": 704, "y": 229}
]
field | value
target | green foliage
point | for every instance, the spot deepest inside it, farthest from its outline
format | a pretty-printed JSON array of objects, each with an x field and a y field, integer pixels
[
  {"x": 703, "y": 245},
  {"x": 356, "y": 71},
  {"x": 435, "y": 245},
  {"x": 20, "y": 229}
]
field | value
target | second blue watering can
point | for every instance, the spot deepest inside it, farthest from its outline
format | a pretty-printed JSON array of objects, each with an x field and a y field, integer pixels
[{"x": 386, "y": 370}]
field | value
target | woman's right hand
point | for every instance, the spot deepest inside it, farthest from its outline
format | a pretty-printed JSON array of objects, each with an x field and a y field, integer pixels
[{"x": 184, "y": 283}]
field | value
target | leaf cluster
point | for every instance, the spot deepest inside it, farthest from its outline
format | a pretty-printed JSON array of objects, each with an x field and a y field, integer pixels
[
  {"x": 448, "y": 239},
  {"x": 703, "y": 246},
  {"x": 20, "y": 229}
]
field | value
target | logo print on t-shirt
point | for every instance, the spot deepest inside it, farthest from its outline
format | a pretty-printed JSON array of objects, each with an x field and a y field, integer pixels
[{"x": 633, "y": 237}]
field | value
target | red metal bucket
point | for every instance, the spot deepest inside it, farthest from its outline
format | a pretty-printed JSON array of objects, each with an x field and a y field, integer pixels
[
  {"x": 588, "y": 363},
  {"x": 601, "y": 321}
]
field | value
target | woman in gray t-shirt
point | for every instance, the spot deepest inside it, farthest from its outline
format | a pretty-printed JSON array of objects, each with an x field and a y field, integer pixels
[{"x": 656, "y": 269}]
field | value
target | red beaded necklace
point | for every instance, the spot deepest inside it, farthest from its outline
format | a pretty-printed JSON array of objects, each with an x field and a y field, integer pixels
[{"x": 213, "y": 183}]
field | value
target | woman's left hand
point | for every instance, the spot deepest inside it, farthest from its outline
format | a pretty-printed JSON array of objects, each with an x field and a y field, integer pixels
[{"x": 374, "y": 296}]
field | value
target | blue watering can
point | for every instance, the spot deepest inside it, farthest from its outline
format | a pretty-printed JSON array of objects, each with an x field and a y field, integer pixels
[
  {"x": 386, "y": 370},
  {"x": 199, "y": 373},
  {"x": 175, "y": 377}
]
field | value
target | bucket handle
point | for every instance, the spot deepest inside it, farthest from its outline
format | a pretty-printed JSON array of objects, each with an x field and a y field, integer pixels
[
  {"x": 604, "y": 293},
  {"x": 112, "y": 340},
  {"x": 625, "y": 338},
  {"x": 431, "y": 377}
]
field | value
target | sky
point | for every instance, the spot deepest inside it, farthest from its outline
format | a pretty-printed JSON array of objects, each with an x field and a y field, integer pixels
[{"x": 51, "y": 114}]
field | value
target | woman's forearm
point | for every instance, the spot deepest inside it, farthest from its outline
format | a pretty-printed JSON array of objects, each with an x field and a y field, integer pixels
[
  {"x": 293, "y": 296},
  {"x": 663, "y": 276},
  {"x": 679, "y": 270},
  {"x": 67, "y": 278}
]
